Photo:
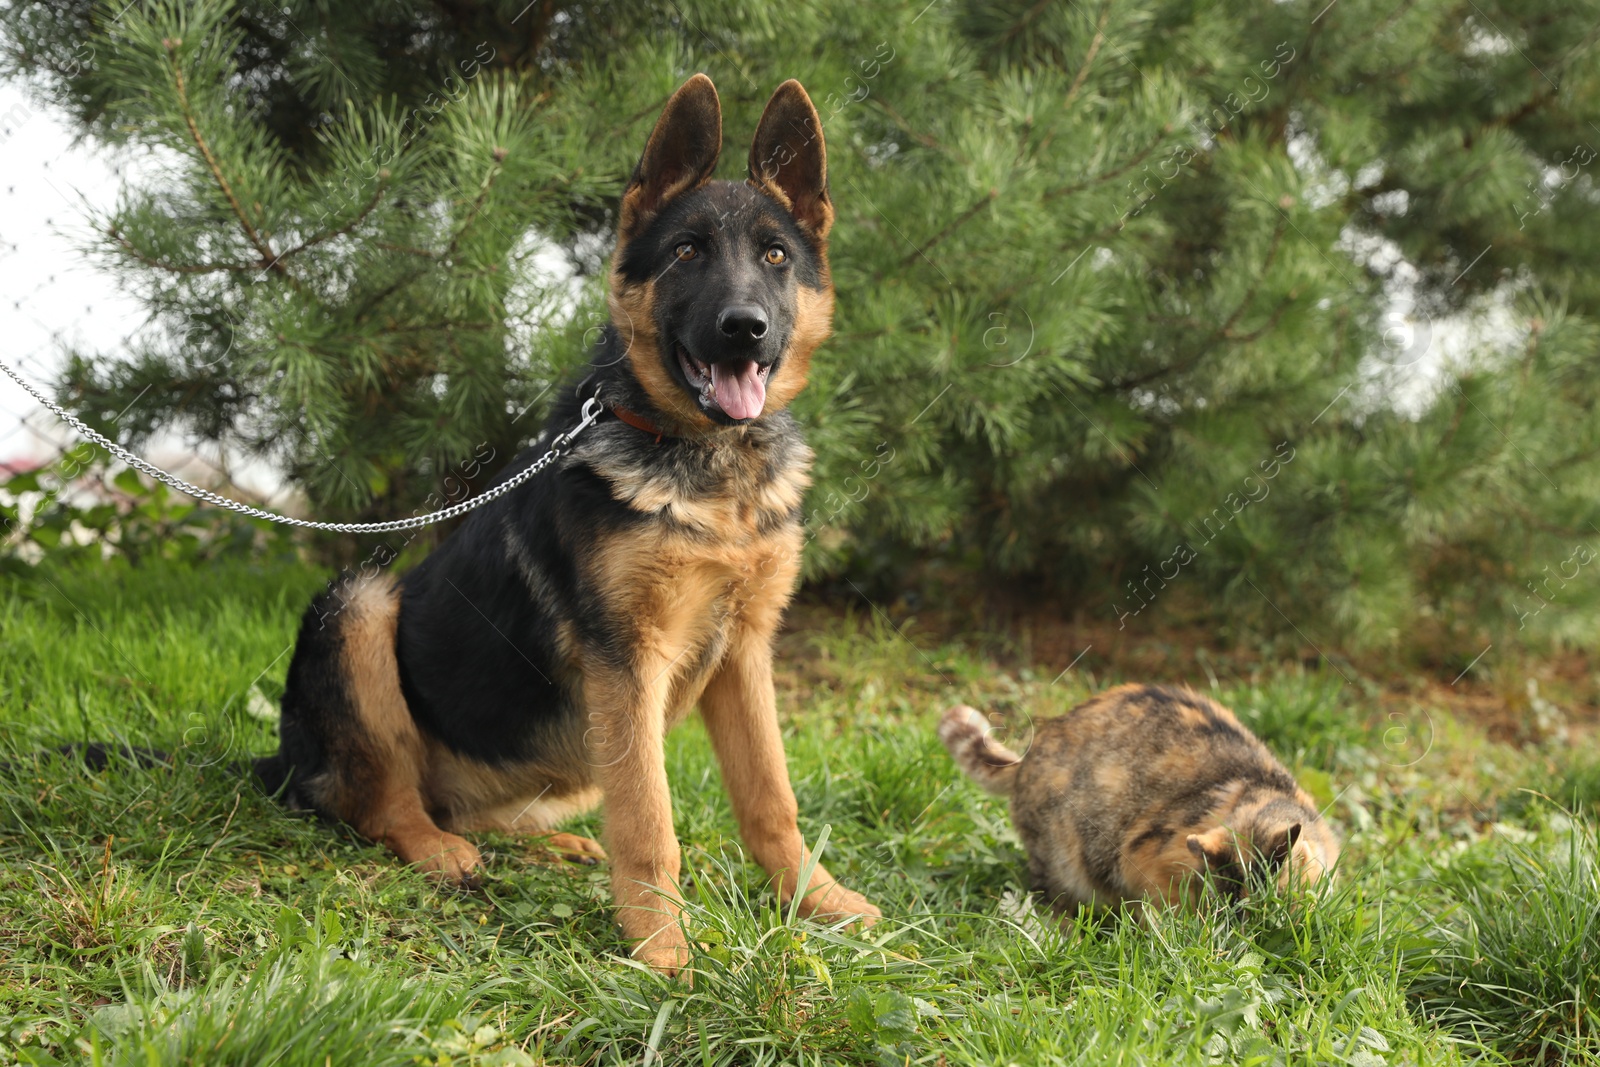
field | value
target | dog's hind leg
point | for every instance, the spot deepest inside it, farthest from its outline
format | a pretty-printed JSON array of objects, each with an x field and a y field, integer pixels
[
  {"x": 347, "y": 730},
  {"x": 388, "y": 803}
]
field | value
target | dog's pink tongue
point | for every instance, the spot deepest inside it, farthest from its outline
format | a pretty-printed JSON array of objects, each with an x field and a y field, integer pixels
[{"x": 738, "y": 389}]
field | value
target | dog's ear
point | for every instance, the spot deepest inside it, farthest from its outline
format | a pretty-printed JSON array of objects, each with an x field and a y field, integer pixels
[
  {"x": 680, "y": 155},
  {"x": 789, "y": 161}
]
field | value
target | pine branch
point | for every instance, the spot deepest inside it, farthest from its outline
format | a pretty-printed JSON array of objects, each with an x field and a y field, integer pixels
[
  {"x": 1225, "y": 333},
  {"x": 1124, "y": 384},
  {"x": 955, "y": 224},
  {"x": 923, "y": 139},
  {"x": 174, "y": 268},
  {"x": 477, "y": 205},
  {"x": 1102, "y": 178},
  {"x": 1088, "y": 59},
  {"x": 1022, "y": 23},
  {"x": 628, "y": 123},
  {"x": 1083, "y": 73},
  {"x": 1533, "y": 104},
  {"x": 390, "y": 246},
  {"x": 1380, "y": 26},
  {"x": 1266, "y": 327},
  {"x": 376, "y": 299},
  {"x": 312, "y": 242},
  {"x": 403, "y": 280},
  {"x": 429, "y": 327},
  {"x": 1226, "y": 329},
  {"x": 269, "y": 259}
]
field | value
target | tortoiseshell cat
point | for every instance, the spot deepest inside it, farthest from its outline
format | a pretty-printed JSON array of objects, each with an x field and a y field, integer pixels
[{"x": 1136, "y": 791}]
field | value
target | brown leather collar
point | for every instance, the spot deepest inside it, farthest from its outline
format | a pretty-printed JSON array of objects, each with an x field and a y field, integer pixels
[{"x": 638, "y": 422}]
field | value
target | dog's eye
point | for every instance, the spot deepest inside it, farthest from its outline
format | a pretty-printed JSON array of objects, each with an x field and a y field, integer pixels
[
  {"x": 776, "y": 255},
  {"x": 686, "y": 251}
]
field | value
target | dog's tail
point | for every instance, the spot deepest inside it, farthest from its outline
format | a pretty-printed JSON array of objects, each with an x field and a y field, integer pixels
[
  {"x": 965, "y": 732},
  {"x": 271, "y": 774}
]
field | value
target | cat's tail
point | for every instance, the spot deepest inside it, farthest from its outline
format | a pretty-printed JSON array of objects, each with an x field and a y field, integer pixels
[{"x": 965, "y": 732}]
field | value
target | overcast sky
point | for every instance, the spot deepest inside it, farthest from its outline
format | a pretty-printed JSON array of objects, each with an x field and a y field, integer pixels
[
  {"x": 50, "y": 293},
  {"x": 53, "y": 294}
]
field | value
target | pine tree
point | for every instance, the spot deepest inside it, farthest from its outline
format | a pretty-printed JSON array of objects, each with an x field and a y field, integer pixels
[{"x": 1116, "y": 281}]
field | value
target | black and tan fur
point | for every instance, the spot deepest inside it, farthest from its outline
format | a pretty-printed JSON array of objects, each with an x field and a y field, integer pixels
[
  {"x": 1132, "y": 794},
  {"x": 531, "y": 666}
]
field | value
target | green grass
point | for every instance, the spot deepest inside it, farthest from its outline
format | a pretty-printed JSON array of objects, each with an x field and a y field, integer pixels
[
  {"x": 172, "y": 915},
  {"x": 1519, "y": 958}
]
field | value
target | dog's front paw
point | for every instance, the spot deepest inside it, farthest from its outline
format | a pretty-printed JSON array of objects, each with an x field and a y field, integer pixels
[
  {"x": 666, "y": 952},
  {"x": 834, "y": 902}
]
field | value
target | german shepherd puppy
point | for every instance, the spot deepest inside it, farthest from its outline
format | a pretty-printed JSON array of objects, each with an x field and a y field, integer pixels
[
  {"x": 531, "y": 666},
  {"x": 1133, "y": 794}
]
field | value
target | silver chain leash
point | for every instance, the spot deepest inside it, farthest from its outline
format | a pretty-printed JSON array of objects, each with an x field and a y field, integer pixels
[{"x": 591, "y": 411}]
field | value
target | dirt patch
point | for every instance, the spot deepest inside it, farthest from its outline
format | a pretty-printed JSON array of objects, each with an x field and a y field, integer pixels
[{"x": 1514, "y": 697}]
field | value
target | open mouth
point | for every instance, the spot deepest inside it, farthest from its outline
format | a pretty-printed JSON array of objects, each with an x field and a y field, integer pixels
[{"x": 736, "y": 387}]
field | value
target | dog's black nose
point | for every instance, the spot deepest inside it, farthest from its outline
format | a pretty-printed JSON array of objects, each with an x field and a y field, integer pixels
[{"x": 742, "y": 322}]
